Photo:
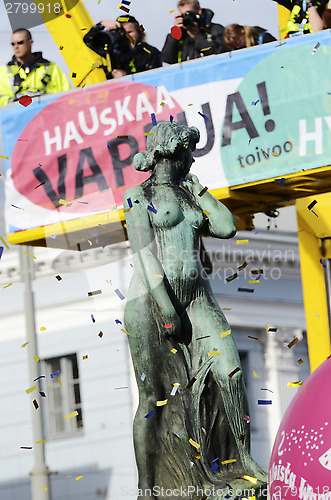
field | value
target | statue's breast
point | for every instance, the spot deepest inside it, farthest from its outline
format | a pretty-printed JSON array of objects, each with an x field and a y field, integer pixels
[{"x": 170, "y": 213}]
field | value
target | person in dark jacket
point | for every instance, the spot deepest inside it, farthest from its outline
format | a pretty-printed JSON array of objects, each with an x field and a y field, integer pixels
[
  {"x": 239, "y": 37},
  {"x": 200, "y": 37},
  {"x": 122, "y": 44}
]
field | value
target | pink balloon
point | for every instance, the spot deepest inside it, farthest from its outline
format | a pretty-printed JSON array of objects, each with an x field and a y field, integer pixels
[{"x": 300, "y": 465}]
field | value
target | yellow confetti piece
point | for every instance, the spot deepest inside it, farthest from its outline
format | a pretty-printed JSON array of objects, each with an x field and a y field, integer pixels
[
  {"x": 207, "y": 48},
  {"x": 176, "y": 383},
  {"x": 194, "y": 443},
  {"x": 3, "y": 241},
  {"x": 122, "y": 19},
  {"x": 44, "y": 488},
  {"x": 300, "y": 361},
  {"x": 42, "y": 441},
  {"x": 122, "y": 329},
  {"x": 86, "y": 356},
  {"x": 162, "y": 104},
  {"x": 49, "y": 386},
  {"x": 24, "y": 345},
  {"x": 132, "y": 40},
  {"x": 254, "y": 281},
  {"x": 275, "y": 154},
  {"x": 174, "y": 350},
  {"x": 157, "y": 276},
  {"x": 226, "y": 308},
  {"x": 72, "y": 414},
  {"x": 294, "y": 384},
  {"x": 172, "y": 11},
  {"x": 42, "y": 328},
  {"x": 241, "y": 242},
  {"x": 206, "y": 212},
  {"x": 112, "y": 207},
  {"x": 6, "y": 286},
  {"x": 29, "y": 255},
  {"x": 230, "y": 461},
  {"x": 36, "y": 358},
  {"x": 198, "y": 455},
  {"x": 5, "y": 157},
  {"x": 161, "y": 403},
  {"x": 265, "y": 153},
  {"x": 146, "y": 50},
  {"x": 250, "y": 478},
  {"x": 127, "y": 210},
  {"x": 31, "y": 389},
  {"x": 255, "y": 374},
  {"x": 78, "y": 478},
  {"x": 59, "y": 381},
  {"x": 190, "y": 104},
  {"x": 214, "y": 353},
  {"x": 225, "y": 334},
  {"x": 149, "y": 133}
]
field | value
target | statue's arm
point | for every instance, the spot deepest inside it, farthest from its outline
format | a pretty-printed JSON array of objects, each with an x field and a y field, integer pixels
[
  {"x": 220, "y": 220},
  {"x": 142, "y": 240}
]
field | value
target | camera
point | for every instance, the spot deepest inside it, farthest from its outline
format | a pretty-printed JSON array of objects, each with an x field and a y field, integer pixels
[
  {"x": 189, "y": 18},
  {"x": 113, "y": 42}
]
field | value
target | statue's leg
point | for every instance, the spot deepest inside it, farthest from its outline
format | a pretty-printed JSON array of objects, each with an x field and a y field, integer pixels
[
  {"x": 144, "y": 347},
  {"x": 209, "y": 322}
]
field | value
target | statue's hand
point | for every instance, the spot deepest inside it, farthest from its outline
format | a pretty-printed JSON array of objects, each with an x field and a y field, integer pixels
[{"x": 192, "y": 184}]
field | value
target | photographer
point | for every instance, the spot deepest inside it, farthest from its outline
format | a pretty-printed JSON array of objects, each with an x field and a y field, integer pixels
[
  {"x": 200, "y": 37},
  {"x": 111, "y": 40},
  {"x": 237, "y": 36}
]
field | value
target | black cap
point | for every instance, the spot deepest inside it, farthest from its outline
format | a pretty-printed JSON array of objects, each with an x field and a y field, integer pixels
[{"x": 128, "y": 19}]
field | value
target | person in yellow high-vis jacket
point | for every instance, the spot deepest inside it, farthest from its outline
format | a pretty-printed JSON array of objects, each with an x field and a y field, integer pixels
[{"x": 28, "y": 73}]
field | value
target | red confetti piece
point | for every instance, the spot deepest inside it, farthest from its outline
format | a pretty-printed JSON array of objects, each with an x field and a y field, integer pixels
[
  {"x": 68, "y": 15},
  {"x": 169, "y": 325},
  {"x": 176, "y": 32},
  {"x": 25, "y": 100}
]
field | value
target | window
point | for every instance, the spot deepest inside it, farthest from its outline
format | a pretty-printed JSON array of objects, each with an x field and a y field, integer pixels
[{"x": 63, "y": 397}]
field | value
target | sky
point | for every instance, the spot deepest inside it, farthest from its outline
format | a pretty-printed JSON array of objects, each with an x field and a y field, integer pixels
[{"x": 153, "y": 14}]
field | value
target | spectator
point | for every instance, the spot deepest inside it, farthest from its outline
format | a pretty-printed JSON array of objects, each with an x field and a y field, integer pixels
[
  {"x": 309, "y": 16},
  {"x": 239, "y": 37},
  {"x": 123, "y": 57},
  {"x": 200, "y": 37},
  {"x": 28, "y": 73}
]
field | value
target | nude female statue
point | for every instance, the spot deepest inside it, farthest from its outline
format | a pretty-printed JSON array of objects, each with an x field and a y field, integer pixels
[{"x": 178, "y": 332}]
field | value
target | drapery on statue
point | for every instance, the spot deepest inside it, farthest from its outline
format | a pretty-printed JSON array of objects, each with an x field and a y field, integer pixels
[{"x": 176, "y": 441}]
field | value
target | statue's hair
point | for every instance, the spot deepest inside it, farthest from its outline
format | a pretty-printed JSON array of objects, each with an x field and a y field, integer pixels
[{"x": 167, "y": 139}]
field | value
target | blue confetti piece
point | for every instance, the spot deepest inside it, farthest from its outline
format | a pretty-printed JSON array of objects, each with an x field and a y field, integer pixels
[
  {"x": 215, "y": 459},
  {"x": 255, "y": 102},
  {"x": 55, "y": 374},
  {"x": 229, "y": 486},
  {"x": 314, "y": 213},
  {"x": 227, "y": 496},
  {"x": 117, "y": 321},
  {"x": 126, "y": 2},
  {"x": 108, "y": 146},
  {"x": 92, "y": 317},
  {"x": 106, "y": 242},
  {"x": 214, "y": 467},
  {"x": 136, "y": 201},
  {"x": 96, "y": 236},
  {"x": 1, "y": 250},
  {"x": 150, "y": 414},
  {"x": 322, "y": 263},
  {"x": 121, "y": 296},
  {"x": 171, "y": 118},
  {"x": 264, "y": 402},
  {"x": 153, "y": 119},
  {"x": 282, "y": 180},
  {"x": 143, "y": 376},
  {"x": 129, "y": 202},
  {"x": 41, "y": 376},
  {"x": 182, "y": 180},
  {"x": 257, "y": 232},
  {"x": 17, "y": 207},
  {"x": 203, "y": 116},
  {"x": 152, "y": 208},
  {"x": 258, "y": 277}
]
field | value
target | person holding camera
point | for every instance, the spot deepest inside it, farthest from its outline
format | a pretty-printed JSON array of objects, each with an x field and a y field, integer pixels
[
  {"x": 122, "y": 44},
  {"x": 200, "y": 37}
]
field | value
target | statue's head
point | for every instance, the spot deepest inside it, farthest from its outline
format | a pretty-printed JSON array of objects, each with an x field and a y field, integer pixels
[{"x": 169, "y": 140}]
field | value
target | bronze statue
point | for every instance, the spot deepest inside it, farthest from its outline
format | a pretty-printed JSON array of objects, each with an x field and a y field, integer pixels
[{"x": 179, "y": 334}]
